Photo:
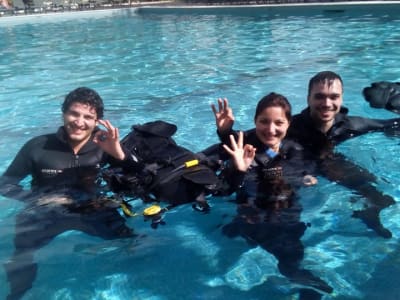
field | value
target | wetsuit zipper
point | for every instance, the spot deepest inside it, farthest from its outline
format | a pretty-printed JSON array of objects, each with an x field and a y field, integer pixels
[{"x": 76, "y": 161}]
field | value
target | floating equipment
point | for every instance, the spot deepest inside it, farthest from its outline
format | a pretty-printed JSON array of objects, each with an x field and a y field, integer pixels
[
  {"x": 169, "y": 172},
  {"x": 152, "y": 210},
  {"x": 127, "y": 209},
  {"x": 383, "y": 94}
]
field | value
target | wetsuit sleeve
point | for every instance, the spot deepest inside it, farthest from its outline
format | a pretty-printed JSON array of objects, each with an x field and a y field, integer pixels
[
  {"x": 224, "y": 136},
  {"x": 364, "y": 125},
  {"x": 10, "y": 188},
  {"x": 131, "y": 163},
  {"x": 231, "y": 179},
  {"x": 19, "y": 168},
  {"x": 214, "y": 156},
  {"x": 249, "y": 137},
  {"x": 354, "y": 126}
]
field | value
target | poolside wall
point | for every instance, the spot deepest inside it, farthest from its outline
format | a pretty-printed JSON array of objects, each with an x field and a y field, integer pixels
[
  {"x": 340, "y": 8},
  {"x": 117, "y": 3},
  {"x": 390, "y": 8}
]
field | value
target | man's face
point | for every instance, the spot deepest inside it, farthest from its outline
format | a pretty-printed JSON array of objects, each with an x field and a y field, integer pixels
[
  {"x": 325, "y": 100},
  {"x": 79, "y": 122}
]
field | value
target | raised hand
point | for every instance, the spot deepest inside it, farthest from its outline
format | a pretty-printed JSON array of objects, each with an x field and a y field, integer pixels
[
  {"x": 108, "y": 140},
  {"x": 224, "y": 118},
  {"x": 242, "y": 156}
]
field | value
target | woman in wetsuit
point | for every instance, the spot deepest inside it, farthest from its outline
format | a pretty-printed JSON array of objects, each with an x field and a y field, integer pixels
[{"x": 265, "y": 170}]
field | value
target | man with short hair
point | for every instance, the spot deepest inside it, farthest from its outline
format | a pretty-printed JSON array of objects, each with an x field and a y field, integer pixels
[
  {"x": 64, "y": 195},
  {"x": 325, "y": 122},
  {"x": 323, "y": 125}
]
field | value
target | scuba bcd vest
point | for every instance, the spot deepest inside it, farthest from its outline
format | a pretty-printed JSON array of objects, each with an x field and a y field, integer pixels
[
  {"x": 171, "y": 173},
  {"x": 383, "y": 94}
]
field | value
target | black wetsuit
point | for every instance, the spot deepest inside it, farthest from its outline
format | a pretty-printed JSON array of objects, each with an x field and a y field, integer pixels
[
  {"x": 63, "y": 197},
  {"x": 336, "y": 167},
  {"x": 269, "y": 211},
  {"x": 303, "y": 130}
]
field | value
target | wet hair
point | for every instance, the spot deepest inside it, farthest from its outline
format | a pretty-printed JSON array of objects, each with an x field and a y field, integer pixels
[
  {"x": 324, "y": 77},
  {"x": 274, "y": 100},
  {"x": 87, "y": 96}
]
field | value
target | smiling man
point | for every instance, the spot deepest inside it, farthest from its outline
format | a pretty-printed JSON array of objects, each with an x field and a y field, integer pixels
[
  {"x": 58, "y": 158},
  {"x": 323, "y": 125},
  {"x": 325, "y": 100},
  {"x": 64, "y": 195},
  {"x": 325, "y": 122}
]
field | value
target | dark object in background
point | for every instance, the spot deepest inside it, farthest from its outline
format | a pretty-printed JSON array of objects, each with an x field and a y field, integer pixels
[{"x": 383, "y": 94}]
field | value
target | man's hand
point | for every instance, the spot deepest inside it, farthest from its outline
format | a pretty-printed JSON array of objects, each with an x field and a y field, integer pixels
[{"x": 108, "y": 140}]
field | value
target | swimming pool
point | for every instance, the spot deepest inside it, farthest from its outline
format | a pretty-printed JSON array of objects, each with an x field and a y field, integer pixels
[{"x": 149, "y": 65}]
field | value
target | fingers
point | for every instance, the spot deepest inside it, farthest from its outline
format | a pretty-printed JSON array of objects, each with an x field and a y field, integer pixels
[
  {"x": 249, "y": 151},
  {"x": 239, "y": 144},
  {"x": 106, "y": 124},
  {"x": 240, "y": 139},
  {"x": 223, "y": 106},
  {"x": 112, "y": 131},
  {"x": 234, "y": 145},
  {"x": 242, "y": 156},
  {"x": 214, "y": 109},
  {"x": 229, "y": 150}
]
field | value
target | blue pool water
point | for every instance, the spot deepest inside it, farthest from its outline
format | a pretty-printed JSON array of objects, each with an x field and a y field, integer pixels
[{"x": 150, "y": 65}]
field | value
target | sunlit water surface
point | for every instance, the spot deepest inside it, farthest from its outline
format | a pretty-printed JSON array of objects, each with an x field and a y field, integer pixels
[{"x": 150, "y": 66}]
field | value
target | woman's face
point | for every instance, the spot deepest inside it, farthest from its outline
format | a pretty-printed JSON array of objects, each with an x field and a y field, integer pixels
[{"x": 271, "y": 126}]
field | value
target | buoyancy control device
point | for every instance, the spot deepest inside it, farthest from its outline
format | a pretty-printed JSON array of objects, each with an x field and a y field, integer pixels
[
  {"x": 383, "y": 94},
  {"x": 170, "y": 172}
]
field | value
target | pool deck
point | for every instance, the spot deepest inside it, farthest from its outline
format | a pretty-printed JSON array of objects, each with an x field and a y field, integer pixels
[
  {"x": 362, "y": 7},
  {"x": 257, "y": 3},
  {"x": 165, "y": 7}
]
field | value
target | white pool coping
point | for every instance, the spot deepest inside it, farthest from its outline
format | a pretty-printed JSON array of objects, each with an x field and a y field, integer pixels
[{"x": 170, "y": 7}]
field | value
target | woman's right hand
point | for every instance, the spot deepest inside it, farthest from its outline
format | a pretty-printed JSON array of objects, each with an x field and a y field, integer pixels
[
  {"x": 224, "y": 118},
  {"x": 242, "y": 156}
]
